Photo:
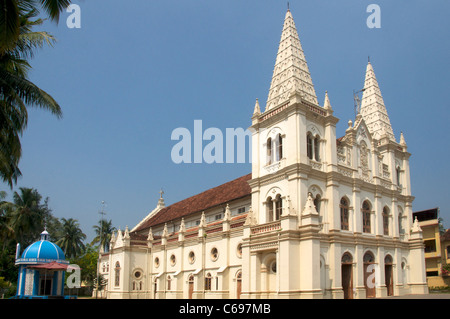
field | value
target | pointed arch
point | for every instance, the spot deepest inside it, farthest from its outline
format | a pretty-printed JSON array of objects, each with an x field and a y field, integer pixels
[
  {"x": 366, "y": 214},
  {"x": 344, "y": 207},
  {"x": 386, "y": 217}
]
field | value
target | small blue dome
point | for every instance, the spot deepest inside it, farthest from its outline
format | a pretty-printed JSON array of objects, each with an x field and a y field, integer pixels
[{"x": 43, "y": 249}]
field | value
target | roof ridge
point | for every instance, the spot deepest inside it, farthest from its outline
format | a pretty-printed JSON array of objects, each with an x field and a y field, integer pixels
[{"x": 215, "y": 196}]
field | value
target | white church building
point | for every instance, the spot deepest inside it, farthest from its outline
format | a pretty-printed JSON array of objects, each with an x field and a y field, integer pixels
[{"x": 319, "y": 216}]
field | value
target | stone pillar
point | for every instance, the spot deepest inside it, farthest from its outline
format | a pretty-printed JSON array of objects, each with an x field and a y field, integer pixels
[
  {"x": 309, "y": 245},
  {"x": 417, "y": 276}
]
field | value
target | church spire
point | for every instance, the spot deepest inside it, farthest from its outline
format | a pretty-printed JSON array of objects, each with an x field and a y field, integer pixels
[
  {"x": 291, "y": 71},
  {"x": 373, "y": 109}
]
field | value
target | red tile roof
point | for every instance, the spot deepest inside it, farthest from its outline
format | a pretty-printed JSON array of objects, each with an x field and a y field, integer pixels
[{"x": 213, "y": 197}]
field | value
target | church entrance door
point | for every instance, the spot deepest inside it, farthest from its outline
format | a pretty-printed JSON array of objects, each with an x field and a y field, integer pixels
[
  {"x": 369, "y": 274},
  {"x": 347, "y": 281},
  {"x": 347, "y": 275},
  {"x": 191, "y": 287},
  {"x": 389, "y": 280}
]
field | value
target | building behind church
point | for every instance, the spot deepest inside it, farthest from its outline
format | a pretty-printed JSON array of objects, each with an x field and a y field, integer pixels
[{"x": 318, "y": 216}]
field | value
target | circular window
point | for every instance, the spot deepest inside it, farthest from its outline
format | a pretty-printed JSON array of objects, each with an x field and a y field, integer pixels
[
  {"x": 173, "y": 260},
  {"x": 137, "y": 274},
  {"x": 273, "y": 267},
  {"x": 156, "y": 262},
  {"x": 214, "y": 254},
  {"x": 191, "y": 257},
  {"x": 239, "y": 250}
]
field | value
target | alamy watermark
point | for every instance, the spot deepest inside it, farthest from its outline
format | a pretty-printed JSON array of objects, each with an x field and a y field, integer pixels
[
  {"x": 74, "y": 19},
  {"x": 374, "y": 19},
  {"x": 211, "y": 145},
  {"x": 74, "y": 279}
]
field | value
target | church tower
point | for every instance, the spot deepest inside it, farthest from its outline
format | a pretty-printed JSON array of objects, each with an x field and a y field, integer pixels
[
  {"x": 293, "y": 137},
  {"x": 293, "y": 140}
]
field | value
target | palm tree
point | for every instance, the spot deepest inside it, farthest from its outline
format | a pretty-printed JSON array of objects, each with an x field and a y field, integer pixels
[
  {"x": 105, "y": 229},
  {"x": 17, "y": 93},
  {"x": 72, "y": 238},
  {"x": 6, "y": 231},
  {"x": 27, "y": 215},
  {"x": 11, "y": 12}
]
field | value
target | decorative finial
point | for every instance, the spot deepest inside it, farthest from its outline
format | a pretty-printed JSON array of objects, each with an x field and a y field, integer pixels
[
  {"x": 161, "y": 199},
  {"x": 368, "y": 59},
  {"x": 327, "y": 104},
  {"x": 350, "y": 124},
  {"x": 288, "y": 6},
  {"x": 402, "y": 139},
  {"x": 257, "y": 109}
]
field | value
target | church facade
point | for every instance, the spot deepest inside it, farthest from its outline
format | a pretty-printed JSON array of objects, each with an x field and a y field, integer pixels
[{"x": 318, "y": 217}]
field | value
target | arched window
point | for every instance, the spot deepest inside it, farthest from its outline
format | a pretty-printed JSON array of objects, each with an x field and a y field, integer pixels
[
  {"x": 269, "y": 208},
  {"x": 309, "y": 145},
  {"x": 344, "y": 207},
  {"x": 169, "y": 282},
  {"x": 386, "y": 221},
  {"x": 317, "y": 200},
  {"x": 278, "y": 207},
  {"x": 368, "y": 258},
  {"x": 398, "y": 175},
  {"x": 366, "y": 216},
  {"x": 208, "y": 281},
  {"x": 388, "y": 260},
  {"x": 269, "y": 151},
  {"x": 317, "y": 148},
  {"x": 347, "y": 258},
  {"x": 279, "y": 147},
  {"x": 117, "y": 274}
]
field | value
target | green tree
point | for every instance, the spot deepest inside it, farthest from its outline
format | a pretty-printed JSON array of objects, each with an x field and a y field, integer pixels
[
  {"x": 16, "y": 91},
  {"x": 88, "y": 264},
  {"x": 28, "y": 215},
  {"x": 11, "y": 12},
  {"x": 6, "y": 231},
  {"x": 71, "y": 241},
  {"x": 105, "y": 229}
]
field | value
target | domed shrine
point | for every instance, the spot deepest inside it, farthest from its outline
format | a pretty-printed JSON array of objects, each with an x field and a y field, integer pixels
[{"x": 42, "y": 267}]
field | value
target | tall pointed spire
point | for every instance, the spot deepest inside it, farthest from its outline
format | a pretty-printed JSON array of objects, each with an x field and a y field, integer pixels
[
  {"x": 373, "y": 109},
  {"x": 291, "y": 71}
]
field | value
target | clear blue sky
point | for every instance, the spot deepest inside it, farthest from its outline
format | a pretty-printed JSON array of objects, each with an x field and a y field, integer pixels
[{"x": 136, "y": 70}]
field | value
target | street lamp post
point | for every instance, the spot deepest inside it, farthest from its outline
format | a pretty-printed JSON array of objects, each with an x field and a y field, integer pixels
[{"x": 101, "y": 213}]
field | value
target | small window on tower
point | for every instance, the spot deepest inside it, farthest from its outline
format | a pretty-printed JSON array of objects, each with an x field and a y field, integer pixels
[{"x": 309, "y": 146}]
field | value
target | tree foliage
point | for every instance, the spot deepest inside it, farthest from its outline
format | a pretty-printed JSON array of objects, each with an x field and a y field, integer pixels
[{"x": 18, "y": 43}]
